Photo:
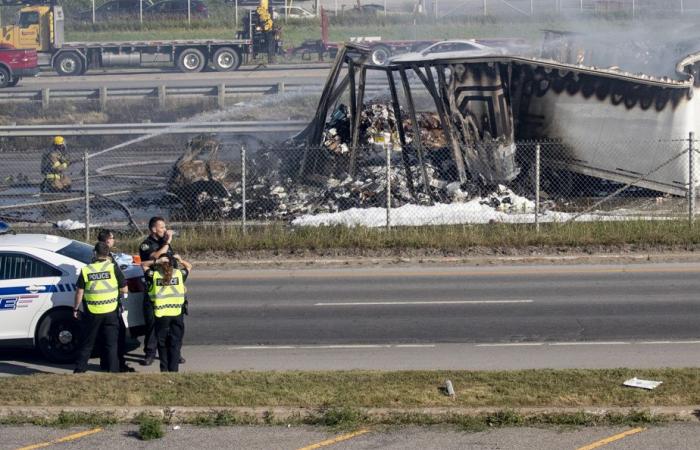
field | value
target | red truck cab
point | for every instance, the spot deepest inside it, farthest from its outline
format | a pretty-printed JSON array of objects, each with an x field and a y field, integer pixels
[{"x": 15, "y": 64}]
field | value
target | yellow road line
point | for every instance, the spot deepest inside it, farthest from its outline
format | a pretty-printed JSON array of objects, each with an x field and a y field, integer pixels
[
  {"x": 610, "y": 439},
  {"x": 436, "y": 273},
  {"x": 335, "y": 440},
  {"x": 68, "y": 438}
]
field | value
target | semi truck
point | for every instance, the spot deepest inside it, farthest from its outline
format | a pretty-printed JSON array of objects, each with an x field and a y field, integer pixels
[{"x": 39, "y": 25}]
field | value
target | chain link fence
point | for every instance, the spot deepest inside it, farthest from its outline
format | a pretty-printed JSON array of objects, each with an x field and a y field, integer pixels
[{"x": 225, "y": 181}]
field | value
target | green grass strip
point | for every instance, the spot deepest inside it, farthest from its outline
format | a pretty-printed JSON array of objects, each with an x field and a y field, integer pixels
[{"x": 358, "y": 389}]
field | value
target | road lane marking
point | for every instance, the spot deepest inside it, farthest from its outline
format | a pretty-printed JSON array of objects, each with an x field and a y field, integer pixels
[
  {"x": 415, "y": 346},
  {"x": 435, "y": 302},
  {"x": 335, "y": 440},
  {"x": 513, "y": 344},
  {"x": 668, "y": 342},
  {"x": 68, "y": 438},
  {"x": 610, "y": 439},
  {"x": 335, "y": 274},
  {"x": 561, "y": 344}
]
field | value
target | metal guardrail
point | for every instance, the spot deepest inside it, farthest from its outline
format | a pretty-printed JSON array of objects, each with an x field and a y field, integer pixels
[
  {"x": 161, "y": 93},
  {"x": 290, "y": 126}
]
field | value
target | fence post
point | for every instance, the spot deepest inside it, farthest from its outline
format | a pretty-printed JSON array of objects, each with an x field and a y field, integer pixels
[
  {"x": 161, "y": 96},
  {"x": 537, "y": 188},
  {"x": 221, "y": 96},
  {"x": 691, "y": 179},
  {"x": 86, "y": 181},
  {"x": 45, "y": 98},
  {"x": 243, "y": 183},
  {"x": 388, "y": 146},
  {"x": 484, "y": 7}
]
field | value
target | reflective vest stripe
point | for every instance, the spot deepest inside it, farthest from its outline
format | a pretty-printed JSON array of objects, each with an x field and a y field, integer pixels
[
  {"x": 167, "y": 300},
  {"x": 100, "y": 295}
]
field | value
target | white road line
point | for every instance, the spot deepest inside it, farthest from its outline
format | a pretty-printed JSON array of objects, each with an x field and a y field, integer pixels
[
  {"x": 415, "y": 346},
  {"x": 513, "y": 344},
  {"x": 668, "y": 342},
  {"x": 436, "y": 302},
  {"x": 560, "y": 344}
]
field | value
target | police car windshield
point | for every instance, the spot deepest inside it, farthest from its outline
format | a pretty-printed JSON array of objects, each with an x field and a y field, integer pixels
[{"x": 77, "y": 250}]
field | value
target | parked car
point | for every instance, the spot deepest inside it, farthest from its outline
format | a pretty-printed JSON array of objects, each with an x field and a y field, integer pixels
[
  {"x": 15, "y": 64},
  {"x": 114, "y": 9},
  {"x": 177, "y": 9},
  {"x": 466, "y": 47},
  {"x": 365, "y": 10},
  {"x": 38, "y": 275},
  {"x": 256, "y": 3},
  {"x": 293, "y": 12}
]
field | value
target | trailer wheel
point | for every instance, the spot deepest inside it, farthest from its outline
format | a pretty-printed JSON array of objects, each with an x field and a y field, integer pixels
[
  {"x": 226, "y": 59},
  {"x": 4, "y": 77},
  {"x": 68, "y": 64},
  {"x": 13, "y": 82},
  {"x": 191, "y": 60},
  {"x": 380, "y": 55},
  {"x": 59, "y": 336}
]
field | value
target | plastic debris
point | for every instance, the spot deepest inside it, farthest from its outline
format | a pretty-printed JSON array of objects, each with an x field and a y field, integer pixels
[{"x": 643, "y": 384}]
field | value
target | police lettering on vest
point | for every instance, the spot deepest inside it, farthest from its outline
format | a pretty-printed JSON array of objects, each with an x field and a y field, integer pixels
[
  {"x": 167, "y": 296},
  {"x": 101, "y": 287}
]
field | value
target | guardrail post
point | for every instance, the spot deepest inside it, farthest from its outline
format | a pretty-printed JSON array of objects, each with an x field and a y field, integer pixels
[
  {"x": 86, "y": 181},
  {"x": 691, "y": 179},
  {"x": 161, "y": 96},
  {"x": 537, "y": 188},
  {"x": 221, "y": 95},
  {"x": 280, "y": 87},
  {"x": 45, "y": 98},
  {"x": 243, "y": 189},
  {"x": 103, "y": 98}
]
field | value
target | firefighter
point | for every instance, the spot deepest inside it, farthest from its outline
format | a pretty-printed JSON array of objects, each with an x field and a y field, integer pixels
[
  {"x": 166, "y": 289},
  {"x": 101, "y": 286},
  {"x": 54, "y": 164}
]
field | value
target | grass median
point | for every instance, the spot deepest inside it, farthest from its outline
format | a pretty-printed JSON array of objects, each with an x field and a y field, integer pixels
[{"x": 359, "y": 389}]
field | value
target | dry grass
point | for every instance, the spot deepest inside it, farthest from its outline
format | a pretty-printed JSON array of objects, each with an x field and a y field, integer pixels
[{"x": 359, "y": 389}]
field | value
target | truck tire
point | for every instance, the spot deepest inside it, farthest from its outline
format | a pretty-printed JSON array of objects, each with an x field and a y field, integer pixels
[
  {"x": 13, "y": 82},
  {"x": 68, "y": 64},
  {"x": 191, "y": 60},
  {"x": 4, "y": 77},
  {"x": 380, "y": 55},
  {"x": 59, "y": 336},
  {"x": 226, "y": 59}
]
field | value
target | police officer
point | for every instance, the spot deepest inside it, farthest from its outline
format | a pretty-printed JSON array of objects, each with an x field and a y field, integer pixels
[
  {"x": 54, "y": 163},
  {"x": 155, "y": 246},
  {"x": 101, "y": 286},
  {"x": 166, "y": 290},
  {"x": 107, "y": 236}
]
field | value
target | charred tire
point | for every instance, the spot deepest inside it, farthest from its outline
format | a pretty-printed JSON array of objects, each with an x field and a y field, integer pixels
[
  {"x": 380, "y": 55},
  {"x": 191, "y": 60},
  {"x": 5, "y": 78},
  {"x": 69, "y": 64},
  {"x": 226, "y": 59},
  {"x": 13, "y": 82},
  {"x": 59, "y": 336}
]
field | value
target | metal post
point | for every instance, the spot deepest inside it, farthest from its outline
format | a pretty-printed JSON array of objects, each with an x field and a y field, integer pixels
[
  {"x": 537, "y": 188},
  {"x": 384, "y": 8},
  {"x": 86, "y": 182},
  {"x": 682, "y": 7},
  {"x": 336, "y": 8},
  {"x": 93, "y": 11},
  {"x": 532, "y": 8},
  {"x": 141, "y": 12},
  {"x": 388, "y": 146},
  {"x": 285, "y": 11},
  {"x": 236, "y": 8},
  {"x": 243, "y": 189},
  {"x": 189, "y": 12},
  {"x": 691, "y": 179},
  {"x": 634, "y": 8},
  {"x": 580, "y": 6},
  {"x": 484, "y": 7}
]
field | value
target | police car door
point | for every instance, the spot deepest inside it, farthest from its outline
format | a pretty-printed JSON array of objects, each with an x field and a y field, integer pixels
[{"x": 26, "y": 287}]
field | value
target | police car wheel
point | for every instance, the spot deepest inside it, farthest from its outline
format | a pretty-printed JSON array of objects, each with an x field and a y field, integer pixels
[{"x": 59, "y": 337}]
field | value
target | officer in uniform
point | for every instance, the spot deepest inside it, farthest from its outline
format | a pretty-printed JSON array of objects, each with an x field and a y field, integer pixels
[
  {"x": 156, "y": 245},
  {"x": 107, "y": 236},
  {"x": 166, "y": 290},
  {"x": 101, "y": 286},
  {"x": 54, "y": 163}
]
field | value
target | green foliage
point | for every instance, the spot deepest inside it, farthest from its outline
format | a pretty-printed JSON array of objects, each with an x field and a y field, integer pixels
[{"x": 150, "y": 428}]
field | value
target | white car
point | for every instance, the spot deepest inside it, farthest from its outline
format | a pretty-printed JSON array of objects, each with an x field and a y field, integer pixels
[
  {"x": 293, "y": 12},
  {"x": 38, "y": 275},
  {"x": 451, "y": 48}
]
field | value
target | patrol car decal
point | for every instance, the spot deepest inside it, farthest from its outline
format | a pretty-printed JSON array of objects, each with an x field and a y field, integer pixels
[
  {"x": 18, "y": 290},
  {"x": 12, "y": 303}
]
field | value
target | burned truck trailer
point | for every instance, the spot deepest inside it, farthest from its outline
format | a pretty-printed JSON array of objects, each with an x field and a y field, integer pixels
[{"x": 599, "y": 122}]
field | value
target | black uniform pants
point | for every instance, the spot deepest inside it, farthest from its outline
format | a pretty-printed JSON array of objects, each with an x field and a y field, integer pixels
[
  {"x": 121, "y": 348},
  {"x": 108, "y": 326},
  {"x": 149, "y": 339},
  {"x": 169, "y": 333}
]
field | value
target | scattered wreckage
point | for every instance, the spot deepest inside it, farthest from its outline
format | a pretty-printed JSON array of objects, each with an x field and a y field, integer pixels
[{"x": 458, "y": 135}]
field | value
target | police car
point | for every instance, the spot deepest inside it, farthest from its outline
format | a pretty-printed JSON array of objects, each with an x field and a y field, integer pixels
[{"x": 38, "y": 274}]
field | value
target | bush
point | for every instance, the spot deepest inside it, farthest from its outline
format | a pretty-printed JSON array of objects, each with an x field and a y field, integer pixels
[{"x": 150, "y": 428}]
